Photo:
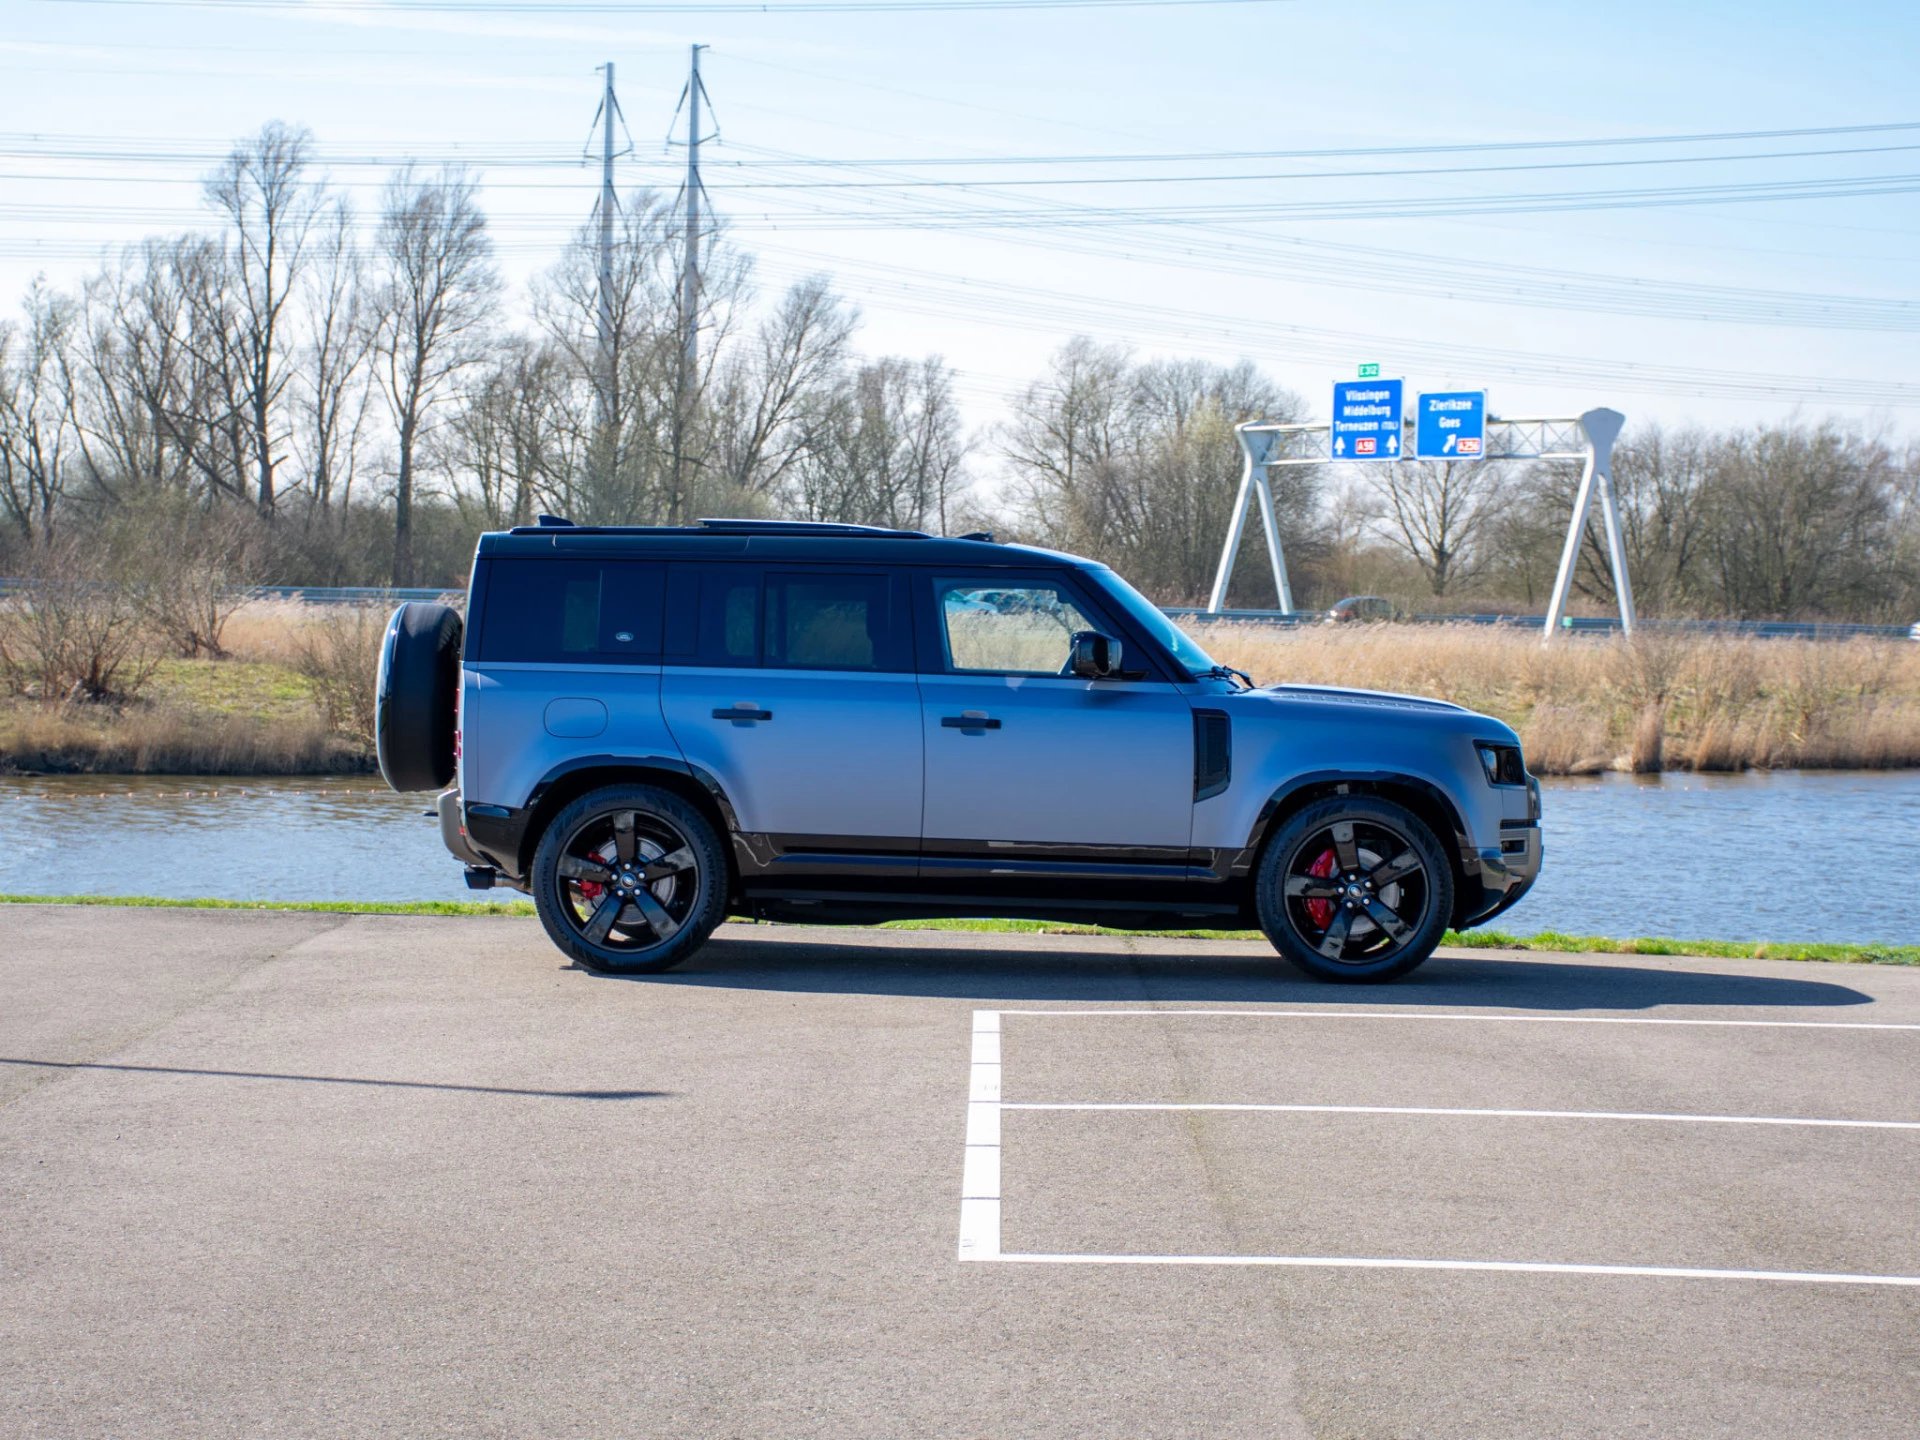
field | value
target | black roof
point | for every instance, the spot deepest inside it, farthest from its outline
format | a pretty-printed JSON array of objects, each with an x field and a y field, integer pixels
[{"x": 762, "y": 539}]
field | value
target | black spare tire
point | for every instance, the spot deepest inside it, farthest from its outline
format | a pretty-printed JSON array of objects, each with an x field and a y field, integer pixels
[{"x": 417, "y": 696}]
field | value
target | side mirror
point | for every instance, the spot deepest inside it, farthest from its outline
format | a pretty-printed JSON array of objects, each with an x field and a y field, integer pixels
[{"x": 1095, "y": 656}]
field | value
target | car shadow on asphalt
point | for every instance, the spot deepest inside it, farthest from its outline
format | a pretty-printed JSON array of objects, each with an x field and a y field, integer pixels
[{"x": 1103, "y": 975}]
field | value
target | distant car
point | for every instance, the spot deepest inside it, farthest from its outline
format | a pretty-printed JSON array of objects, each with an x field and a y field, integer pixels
[{"x": 1368, "y": 609}]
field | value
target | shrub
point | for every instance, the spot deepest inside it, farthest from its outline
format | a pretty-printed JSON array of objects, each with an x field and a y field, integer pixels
[
  {"x": 70, "y": 633},
  {"x": 337, "y": 648}
]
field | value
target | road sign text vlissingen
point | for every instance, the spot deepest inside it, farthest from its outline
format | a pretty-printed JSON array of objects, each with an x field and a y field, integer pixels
[
  {"x": 1450, "y": 425},
  {"x": 1366, "y": 419}
]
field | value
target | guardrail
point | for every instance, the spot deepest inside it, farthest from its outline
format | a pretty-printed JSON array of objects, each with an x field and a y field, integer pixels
[
  {"x": 1284, "y": 619},
  {"x": 1584, "y": 624}
]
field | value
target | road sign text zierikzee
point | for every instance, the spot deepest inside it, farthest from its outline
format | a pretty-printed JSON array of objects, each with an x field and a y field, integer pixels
[{"x": 1367, "y": 416}]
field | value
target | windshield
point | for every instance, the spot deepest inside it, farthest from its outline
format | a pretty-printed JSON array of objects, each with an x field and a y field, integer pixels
[{"x": 1148, "y": 617}]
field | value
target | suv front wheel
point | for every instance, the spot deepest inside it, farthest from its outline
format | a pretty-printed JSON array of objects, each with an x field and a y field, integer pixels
[
  {"x": 629, "y": 880},
  {"x": 1354, "y": 888}
]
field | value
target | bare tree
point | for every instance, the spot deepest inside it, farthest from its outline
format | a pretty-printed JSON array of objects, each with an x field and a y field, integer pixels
[
  {"x": 331, "y": 401},
  {"x": 1802, "y": 519},
  {"x": 36, "y": 431},
  {"x": 508, "y": 441},
  {"x": 270, "y": 210},
  {"x": 1439, "y": 512},
  {"x": 883, "y": 447},
  {"x": 1067, "y": 432},
  {"x": 1136, "y": 464},
  {"x": 437, "y": 283},
  {"x": 763, "y": 391}
]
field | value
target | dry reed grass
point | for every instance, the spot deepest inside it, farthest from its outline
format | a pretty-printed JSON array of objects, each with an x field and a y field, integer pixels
[
  {"x": 163, "y": 740},
  {"x": 1586, "y": 704}
]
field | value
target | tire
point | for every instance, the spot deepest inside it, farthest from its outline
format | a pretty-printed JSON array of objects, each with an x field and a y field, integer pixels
[
  {"x": 1354, "y": 889},
  {"x": 597, "y": 903},
  {"x": 417, "y": 696}
]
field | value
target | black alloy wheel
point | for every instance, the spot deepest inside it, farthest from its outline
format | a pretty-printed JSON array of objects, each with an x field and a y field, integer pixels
[
  {"x": 1355, "y": 888},
  {"x": 629, "y": 880}
]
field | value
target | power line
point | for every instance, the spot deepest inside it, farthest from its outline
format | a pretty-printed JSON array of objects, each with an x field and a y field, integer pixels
[{"x": 668, "y": 7}]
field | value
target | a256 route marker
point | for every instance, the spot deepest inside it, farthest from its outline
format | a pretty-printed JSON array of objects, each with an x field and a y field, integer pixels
[{"x": 1367, "y": 415}]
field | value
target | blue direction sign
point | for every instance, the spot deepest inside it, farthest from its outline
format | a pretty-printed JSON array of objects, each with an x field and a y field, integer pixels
[
  {"x": 1450, "y": 425},
  {"x": 1366, "y": 419}
]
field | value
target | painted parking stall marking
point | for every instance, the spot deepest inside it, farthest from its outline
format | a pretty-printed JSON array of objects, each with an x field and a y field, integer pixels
[{"x": 981, "y": 1187}]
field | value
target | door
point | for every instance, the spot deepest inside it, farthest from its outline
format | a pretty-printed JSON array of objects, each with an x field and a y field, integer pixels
[
  {"x": 795, "y": 691},
  {"x": 1020, "y": 753}
]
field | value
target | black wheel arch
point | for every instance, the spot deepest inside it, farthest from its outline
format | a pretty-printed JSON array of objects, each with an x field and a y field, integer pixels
[
  {"x": 510, "y": 835},
  {"x": 1422, "y": 797}
]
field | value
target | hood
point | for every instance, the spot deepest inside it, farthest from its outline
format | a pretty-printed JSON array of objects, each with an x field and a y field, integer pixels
[{"x": 1337, "y": 695}]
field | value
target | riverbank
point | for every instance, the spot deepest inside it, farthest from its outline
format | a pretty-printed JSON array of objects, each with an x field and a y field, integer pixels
[
  {"x": 1587, "y": 705},
  {"x": 1545, "y": 941},
  {"x": 293, "y": 697}
]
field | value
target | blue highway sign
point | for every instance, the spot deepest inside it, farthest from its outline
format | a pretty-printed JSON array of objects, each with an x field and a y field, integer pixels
[
  {"x": 1450, "y": 425},
  {"x": 1366, "y": 419}
]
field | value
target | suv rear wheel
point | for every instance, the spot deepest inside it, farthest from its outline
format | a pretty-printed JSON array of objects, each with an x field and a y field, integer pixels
[
  {"x": 1354, "y": 888},
  {"x": 629, "y": 880}
]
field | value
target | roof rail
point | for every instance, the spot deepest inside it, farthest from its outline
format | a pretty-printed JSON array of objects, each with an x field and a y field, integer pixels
[
  {"x": 824, "y": 529},
  {"x": 809, "y": 527}
]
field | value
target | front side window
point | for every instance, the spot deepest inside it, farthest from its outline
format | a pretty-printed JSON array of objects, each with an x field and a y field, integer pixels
[
  {"x": 1008, "y": 628},
  {"x": 579, "y": 612}
]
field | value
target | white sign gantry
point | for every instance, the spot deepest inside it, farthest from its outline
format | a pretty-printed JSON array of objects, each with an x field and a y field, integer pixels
[{"x": 1587, "y": 438}]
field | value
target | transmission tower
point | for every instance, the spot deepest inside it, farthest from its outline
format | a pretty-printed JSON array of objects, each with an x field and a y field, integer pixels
[
  {"x": 606, "y": 357},
  {"x": 687, "y": 380}
]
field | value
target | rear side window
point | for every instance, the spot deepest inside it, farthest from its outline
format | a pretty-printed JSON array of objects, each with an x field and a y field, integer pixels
[
  {"x": 821, "y": 619},
  {"x": 574, "y": 612},
  {"x": 828, "y": 622}
]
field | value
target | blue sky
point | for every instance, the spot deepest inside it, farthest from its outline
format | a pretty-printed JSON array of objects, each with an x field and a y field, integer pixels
[{"x": 1297, "y": 294}]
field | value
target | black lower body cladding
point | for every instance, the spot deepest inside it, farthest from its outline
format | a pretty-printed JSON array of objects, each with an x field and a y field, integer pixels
[{"x": 418, "y": 695}]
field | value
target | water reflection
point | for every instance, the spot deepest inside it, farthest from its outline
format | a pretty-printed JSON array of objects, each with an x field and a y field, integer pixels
[{"x": 1799, "y": 856}]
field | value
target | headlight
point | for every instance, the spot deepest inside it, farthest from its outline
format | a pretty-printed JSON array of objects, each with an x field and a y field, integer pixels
[{"x": 1501, "y": 762}]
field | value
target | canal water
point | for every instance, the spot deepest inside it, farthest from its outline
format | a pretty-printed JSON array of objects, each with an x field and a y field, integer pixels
[{"x": 1788, "y": 856}]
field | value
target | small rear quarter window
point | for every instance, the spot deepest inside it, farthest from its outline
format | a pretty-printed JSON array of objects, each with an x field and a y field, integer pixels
[{"x": 573, "y": 612}]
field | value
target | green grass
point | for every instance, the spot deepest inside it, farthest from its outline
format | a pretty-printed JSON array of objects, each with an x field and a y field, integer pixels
[
  {"x": 259, "y": 689},
  {"x": 1547, "y": 940}
]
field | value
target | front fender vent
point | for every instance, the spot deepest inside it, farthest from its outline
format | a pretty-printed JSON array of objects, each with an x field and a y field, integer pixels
[{"x": 1212, "y": 753}]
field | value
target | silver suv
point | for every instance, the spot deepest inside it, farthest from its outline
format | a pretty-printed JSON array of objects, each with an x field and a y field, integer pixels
[{"x": 647, "y": 729}]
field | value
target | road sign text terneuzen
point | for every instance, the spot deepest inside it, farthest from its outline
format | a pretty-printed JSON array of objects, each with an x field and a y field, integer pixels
[
  {"x": 1450, "y": 425},
  {"x": 1366, "y": 419}
]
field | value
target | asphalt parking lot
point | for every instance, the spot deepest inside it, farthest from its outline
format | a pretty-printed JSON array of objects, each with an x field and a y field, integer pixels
[{"x": 279, "y": 1174}]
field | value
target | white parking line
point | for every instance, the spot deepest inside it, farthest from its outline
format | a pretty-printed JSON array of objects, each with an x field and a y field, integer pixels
[
  {"x": 1486, "y": 1114},
  {"x": 1474, "y": 1015},
  {"x": 980, "y": 1203},
  {"x": 980, "y": 1176},
  {"x": 1520, "y": 1267}
]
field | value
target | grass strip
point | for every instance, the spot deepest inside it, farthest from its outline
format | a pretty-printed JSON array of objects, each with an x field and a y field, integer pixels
[{"x": 1546, "y": 940}]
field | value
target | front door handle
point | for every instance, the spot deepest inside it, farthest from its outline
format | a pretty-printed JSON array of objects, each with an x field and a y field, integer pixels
[
  {"x": 970, "y": 720},
  {"x": 743, "y": 712}
]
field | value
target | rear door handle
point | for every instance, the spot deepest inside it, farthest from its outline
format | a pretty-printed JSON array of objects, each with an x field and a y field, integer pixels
[
  {"x": 743, "y": 712},
  {"x": 970, "y": 720}
]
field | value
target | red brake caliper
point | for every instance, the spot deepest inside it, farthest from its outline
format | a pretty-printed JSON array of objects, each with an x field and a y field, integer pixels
[
  {"x": 591, "y": 890},
  {"x": 1321, "y": 911}
]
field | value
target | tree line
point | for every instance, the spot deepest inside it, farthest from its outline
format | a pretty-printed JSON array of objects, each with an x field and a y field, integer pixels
[{"x": 299, "y": 395}]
